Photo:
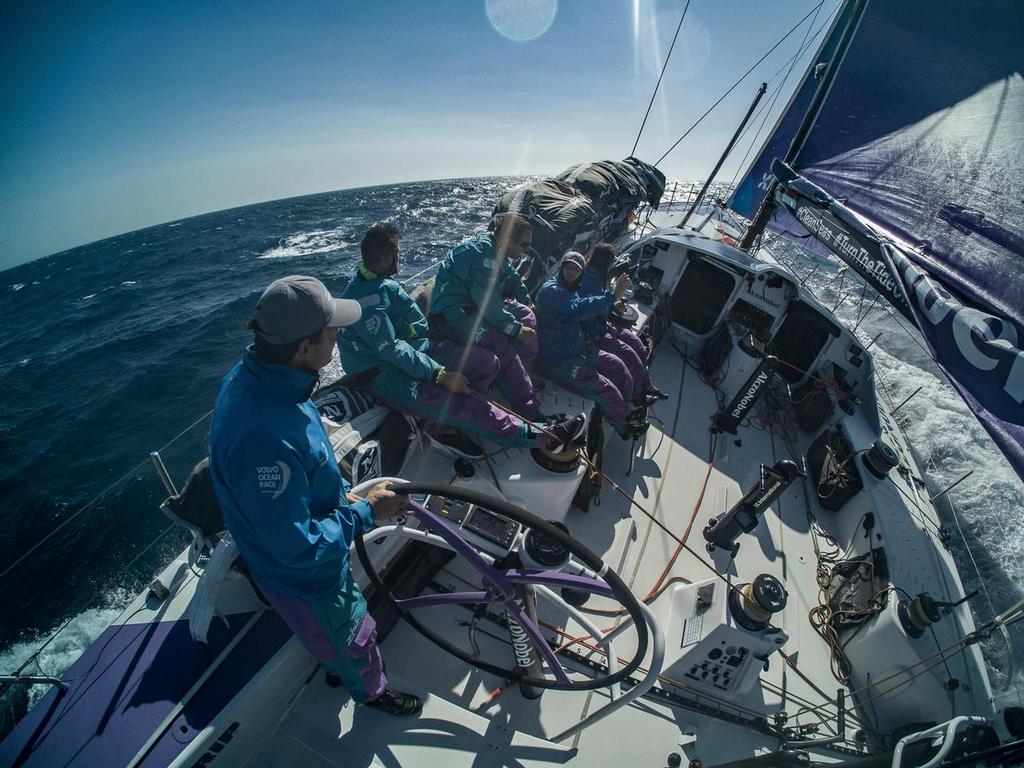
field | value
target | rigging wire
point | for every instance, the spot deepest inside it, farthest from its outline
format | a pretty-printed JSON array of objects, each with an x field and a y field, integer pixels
[
  {"x": 740, "y": 80},
  {"x": 93, "y": 600},
  {"x": 1004, "y": 633},
  {"x": 804, "y": 45},
  {"x": 96, "y": 499},
  {"x": 658, "y": 84}
]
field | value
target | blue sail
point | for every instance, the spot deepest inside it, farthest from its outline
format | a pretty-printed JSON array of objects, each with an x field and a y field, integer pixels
[{"x": 921, "y": 139}]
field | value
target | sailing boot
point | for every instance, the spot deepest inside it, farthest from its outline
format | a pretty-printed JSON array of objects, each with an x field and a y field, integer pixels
[
  {"x": 652, "y": 390},
  {"x": 397, "y": 703},
  {"x": 564, "y": 433},
  {"x": 645, "y": 399}
]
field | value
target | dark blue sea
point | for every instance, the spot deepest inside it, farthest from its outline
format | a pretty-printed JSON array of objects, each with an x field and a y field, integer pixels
[{"x": 114, "y": 349}]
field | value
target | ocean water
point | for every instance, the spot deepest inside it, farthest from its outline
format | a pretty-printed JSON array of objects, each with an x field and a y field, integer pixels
[{"x": 116, "y": 348}]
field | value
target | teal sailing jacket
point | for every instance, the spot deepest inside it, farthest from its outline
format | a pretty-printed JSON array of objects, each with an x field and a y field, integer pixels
[
  {"x": 392, "y": 331},
  {"x": 472, "y": 276}
]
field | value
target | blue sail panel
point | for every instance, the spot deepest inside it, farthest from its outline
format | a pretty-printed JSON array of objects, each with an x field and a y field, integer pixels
[
  {"x": 979, "y": 352},
  {"x": 751, "y": 190}
]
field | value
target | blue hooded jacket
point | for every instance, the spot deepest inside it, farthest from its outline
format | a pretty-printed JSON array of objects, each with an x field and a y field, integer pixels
[
  {"x": 274, "y": 473},
  {"x": 561, "y": 314},
  {"x": 472, "y": 276},
  {"x": 392, "y": 331}
]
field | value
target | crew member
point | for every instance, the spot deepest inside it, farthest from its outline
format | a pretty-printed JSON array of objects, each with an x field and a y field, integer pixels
[
  {"x": 479, "y": 300},
  {"x": 624, "y": 343},
  {"x": 431, "y": 379},
  {"x": 288, "y": 509},
  {"x": 567, "y": 358}
]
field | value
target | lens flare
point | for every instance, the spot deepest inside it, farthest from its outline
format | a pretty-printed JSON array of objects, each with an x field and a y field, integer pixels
[{"x": 521, "y": 20}]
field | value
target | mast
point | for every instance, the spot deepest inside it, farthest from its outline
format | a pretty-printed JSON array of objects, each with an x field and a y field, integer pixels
[
  {"x": 767, "y": 206},
  {"x": 725, "y": 154}
]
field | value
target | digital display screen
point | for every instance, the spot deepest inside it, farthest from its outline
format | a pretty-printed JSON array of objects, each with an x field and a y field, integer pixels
[
  {"x": 453, "y": 509},
  {"x": 488, "y": 524}
]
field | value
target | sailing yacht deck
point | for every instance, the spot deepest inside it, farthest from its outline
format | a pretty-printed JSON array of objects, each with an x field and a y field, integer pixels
[
  {"x": 726, "y": 685},
  {"x": 461, "y": 725}
]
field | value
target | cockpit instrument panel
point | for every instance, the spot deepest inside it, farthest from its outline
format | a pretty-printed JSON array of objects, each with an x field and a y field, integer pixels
[{"x": 495, "y": 530}]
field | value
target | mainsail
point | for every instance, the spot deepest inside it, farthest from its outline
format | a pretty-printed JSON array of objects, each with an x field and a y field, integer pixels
[{"x": 914, "y": 163}]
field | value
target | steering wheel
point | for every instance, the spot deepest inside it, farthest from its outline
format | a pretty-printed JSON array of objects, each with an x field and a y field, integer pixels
[{"x": 500, "y": 585}]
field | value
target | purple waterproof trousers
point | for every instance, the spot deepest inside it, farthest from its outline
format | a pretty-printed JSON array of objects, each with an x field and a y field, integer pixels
[
  {"x": 602, "y": 377},
  {"x": 512, "y": 379},
  {"x": 527, "y": 349},
  {"x": 628, "y": 347},
  {"x": 337, "y": 630},
  {"x": 430, "y": 401}
]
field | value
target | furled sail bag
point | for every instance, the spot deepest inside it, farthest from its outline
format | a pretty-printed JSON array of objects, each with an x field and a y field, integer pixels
[{"x": 562, "y": 218}]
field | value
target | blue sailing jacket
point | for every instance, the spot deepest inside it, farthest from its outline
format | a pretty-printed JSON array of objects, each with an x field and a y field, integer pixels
[
  {"x": 278, "y": 483},
  {"x": 561, "y": 314},
  {"x": 392, "y": 331},
  {"x": 472, "y": 276},
  {"x": 591, "y": 284}
]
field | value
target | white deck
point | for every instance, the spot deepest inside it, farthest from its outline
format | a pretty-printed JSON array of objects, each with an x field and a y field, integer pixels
[{"x": 460, "y": 726}]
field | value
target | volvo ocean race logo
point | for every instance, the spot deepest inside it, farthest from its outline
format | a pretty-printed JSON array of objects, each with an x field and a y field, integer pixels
[
  {"x": 372, "y": 324},
  {"x": 273, "y": 479}
]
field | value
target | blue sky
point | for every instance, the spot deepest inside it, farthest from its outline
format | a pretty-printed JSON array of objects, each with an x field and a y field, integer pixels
[{"x": 117, "y": 116}]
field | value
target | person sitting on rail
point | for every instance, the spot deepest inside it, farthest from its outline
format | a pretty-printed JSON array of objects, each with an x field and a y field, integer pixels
[
  {"x": 289, "y": 511},
  {"x": 566, "y": 357},
  {"x": 479, "y": 300},
  {"x": 624, "y": 343},
  {"x": 390, "y": 353}
]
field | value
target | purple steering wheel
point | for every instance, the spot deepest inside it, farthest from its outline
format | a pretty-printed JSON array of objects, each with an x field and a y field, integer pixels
[{"x": 500, "y": 584}]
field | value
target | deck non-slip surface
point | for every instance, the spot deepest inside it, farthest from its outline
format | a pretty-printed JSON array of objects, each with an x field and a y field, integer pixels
[{"x": 667, "y": 479}]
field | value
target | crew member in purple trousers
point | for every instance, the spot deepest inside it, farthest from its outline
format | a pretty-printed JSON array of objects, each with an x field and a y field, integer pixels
[
  {"x": 435, "y": 380},
  {"x": 565, "y": 355},
  {"x": 624, "y": 343},
  {"x": 479, "y": 301},
  {"x": 288, "y": 509}
]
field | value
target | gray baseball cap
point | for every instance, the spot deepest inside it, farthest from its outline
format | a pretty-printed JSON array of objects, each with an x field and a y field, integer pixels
[
  {"x": 573, "y": 257},
  {"x": 298, "y": 306}
]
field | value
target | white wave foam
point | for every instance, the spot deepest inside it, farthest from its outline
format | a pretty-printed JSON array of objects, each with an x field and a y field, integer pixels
[
  {"x": 306, "y": 243},
  {"x": 17, "y": 286},
  {"x": 67, "y": 646},
  {"x": 90, "y": 296},
  {"x": 949, "y": 442},
  {"x": 128, "y": 282}
]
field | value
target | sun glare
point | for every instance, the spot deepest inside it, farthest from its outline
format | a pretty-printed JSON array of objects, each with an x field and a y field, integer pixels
[{"x": 521, "y": 20}]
